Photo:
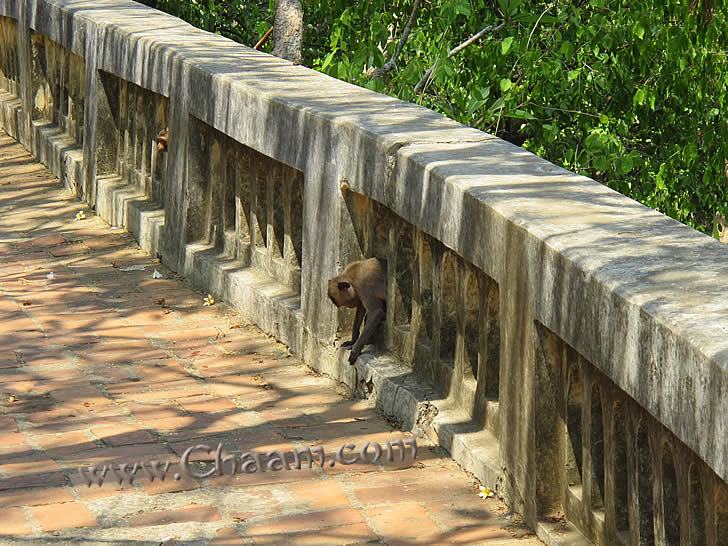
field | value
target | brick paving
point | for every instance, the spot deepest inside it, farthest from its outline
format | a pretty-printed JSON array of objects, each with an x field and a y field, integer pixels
[{"x": 100, "y": 366}]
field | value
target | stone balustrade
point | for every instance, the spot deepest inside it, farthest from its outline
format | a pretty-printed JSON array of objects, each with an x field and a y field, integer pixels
[{"x": 565, "y": 344}]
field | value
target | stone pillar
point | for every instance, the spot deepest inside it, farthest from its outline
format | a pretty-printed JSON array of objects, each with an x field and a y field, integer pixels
[
  {"x": 175, "y": 187},
  {"x": 25, "y": 76}
]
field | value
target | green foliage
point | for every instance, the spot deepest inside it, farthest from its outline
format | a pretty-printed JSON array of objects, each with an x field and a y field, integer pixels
[
  {"x": 241, "y": 20},
  {"x": 633, "y": 94}
]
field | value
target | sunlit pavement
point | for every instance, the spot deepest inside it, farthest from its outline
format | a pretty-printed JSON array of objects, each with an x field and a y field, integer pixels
[{"x": 102, "y": 363}]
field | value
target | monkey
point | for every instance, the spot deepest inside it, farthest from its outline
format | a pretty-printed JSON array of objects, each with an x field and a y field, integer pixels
[
  {"x": 162, "y": 140},
  {"x": 362, "y": 285}
]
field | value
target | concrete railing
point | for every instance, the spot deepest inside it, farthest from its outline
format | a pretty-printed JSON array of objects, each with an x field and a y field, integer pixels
[{"x": 565, "y": 344}]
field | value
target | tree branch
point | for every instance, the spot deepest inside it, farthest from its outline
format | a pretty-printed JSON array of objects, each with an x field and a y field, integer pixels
[
  {"x": 392, "y": 62},
  {"x": 264, "y": 39},
  {"x": 425, "y": 79}
]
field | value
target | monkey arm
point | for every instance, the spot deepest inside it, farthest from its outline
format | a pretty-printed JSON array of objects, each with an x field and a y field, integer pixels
[
  {"x": 374, "y": 317},
  {"x": 355, "y": 329}
]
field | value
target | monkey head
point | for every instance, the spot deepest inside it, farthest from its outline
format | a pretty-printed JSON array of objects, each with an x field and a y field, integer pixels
[
  {"x": 342, "y": 293},
  {"x": 161, "y": 140}
]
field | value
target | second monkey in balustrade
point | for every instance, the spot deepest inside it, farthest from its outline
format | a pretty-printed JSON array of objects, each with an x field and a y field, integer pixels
[{"x": 162, "y": 140}]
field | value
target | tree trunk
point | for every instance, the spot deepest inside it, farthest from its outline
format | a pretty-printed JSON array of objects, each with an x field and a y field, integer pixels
[{"x": 288, "y": 30}]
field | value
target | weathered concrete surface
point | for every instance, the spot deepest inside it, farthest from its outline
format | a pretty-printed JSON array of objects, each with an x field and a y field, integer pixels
[
  {"x": 579, "y": 237},
  {"x": 638, "y": 295},
  {"x": 101, "y": 365}
]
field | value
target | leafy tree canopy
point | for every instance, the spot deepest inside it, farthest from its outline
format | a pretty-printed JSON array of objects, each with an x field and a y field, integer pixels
[{"x": 633, "y": 94}]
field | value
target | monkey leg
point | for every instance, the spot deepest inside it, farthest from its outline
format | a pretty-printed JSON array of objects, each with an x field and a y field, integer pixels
[
  {"x": 373, "y": 319},
  {"x": 355, "y": 329}
]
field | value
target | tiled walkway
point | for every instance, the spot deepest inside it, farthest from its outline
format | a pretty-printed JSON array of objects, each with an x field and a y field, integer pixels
[{"x": 100, "y": 365}]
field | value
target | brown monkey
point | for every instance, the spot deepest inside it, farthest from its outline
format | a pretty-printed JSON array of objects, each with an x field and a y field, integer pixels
[
  {"x": 362, "y": 285},
  {"x": 162, "y": 140}
]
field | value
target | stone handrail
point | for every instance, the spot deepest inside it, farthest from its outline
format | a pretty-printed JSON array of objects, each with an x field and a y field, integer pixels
[{"x": 565, "y": 343}]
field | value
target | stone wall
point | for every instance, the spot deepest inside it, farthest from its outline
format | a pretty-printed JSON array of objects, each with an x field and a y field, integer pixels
[{"x": 567, "y": 345}]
